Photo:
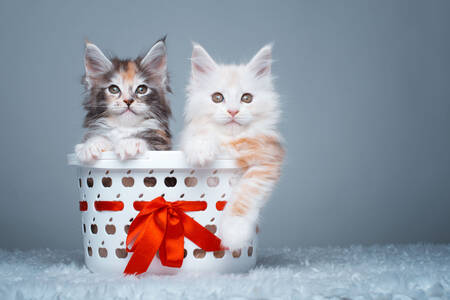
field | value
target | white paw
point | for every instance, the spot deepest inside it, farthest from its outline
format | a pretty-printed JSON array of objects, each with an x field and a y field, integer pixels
[
  {"x": 91, "y": 150},
  {"x": 236, "y": 232},
  {"x": 128, "y": 148},
  {"x": 200, "y": 153}
]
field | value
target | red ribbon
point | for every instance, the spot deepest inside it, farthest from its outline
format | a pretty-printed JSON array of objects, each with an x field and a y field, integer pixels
[
  {"x": 108, "y": 205},
  {"x": 162, "y": 225}
]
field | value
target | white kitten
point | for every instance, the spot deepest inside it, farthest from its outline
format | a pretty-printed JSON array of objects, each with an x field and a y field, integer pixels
[{"x": 234, "y": 109}]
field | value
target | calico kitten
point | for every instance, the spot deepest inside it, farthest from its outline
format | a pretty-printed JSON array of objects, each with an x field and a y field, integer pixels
[
  {"x": 127, "y": 109},
  {"x": 234, "y": 109}
]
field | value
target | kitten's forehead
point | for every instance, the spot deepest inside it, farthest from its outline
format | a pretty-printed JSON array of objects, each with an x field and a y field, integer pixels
[
  {"x": 128, "y": 71},
  {"x": 231, "y": 74}
]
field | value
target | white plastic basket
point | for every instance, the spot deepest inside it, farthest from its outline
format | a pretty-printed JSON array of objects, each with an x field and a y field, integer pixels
[{"x": 142, "y": 179}]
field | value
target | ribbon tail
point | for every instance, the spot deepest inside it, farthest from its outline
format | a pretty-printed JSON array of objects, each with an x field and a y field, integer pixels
[
  {"x": 150, "y": 240},
  {"x": 199, "y": 235},
  {"x": 171, "y": 252}
]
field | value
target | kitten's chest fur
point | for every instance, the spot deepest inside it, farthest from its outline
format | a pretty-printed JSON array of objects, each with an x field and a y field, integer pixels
[
  {"x": 119, "y": 133},
  {"x": 116, "y": 132},
  {"x": 230, "y": 134},
  {"x": 251, "y": 141}
]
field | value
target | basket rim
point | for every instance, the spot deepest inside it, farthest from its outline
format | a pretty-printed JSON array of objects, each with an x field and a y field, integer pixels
[{"x": 150, "y": 160}]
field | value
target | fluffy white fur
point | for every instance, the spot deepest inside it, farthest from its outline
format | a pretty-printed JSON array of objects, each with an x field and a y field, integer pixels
[
  {"x": 208, "y": 124},
  {"x": 211, "y": 126},
  {"x": 394, "y": 272}
]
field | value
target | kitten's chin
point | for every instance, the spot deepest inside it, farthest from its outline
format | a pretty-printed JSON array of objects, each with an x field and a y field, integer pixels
[
  {"x": 128, "y": 118},
  {"x": 233, "y": 127},
  {"x": 233, "y": 123}
]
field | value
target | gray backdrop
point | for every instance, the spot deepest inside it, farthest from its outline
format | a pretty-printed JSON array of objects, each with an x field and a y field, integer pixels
[{"x": 365, "y": 91}]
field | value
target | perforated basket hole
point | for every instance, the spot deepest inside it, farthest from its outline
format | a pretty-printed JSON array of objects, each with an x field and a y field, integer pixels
[
  {"x": 107, "y": 181},
  {"x": 185, "y": 253},
  {"x": 182, "y": 196},
  {"x": 220, "y": 205},
  {"x": 149, "y": 181},
  {"x": 121, "y": 253},
  {"x": 110, "y": 229},
  {"x": 190, "y": 181},
  {"x": 141, "y": 195},
  {"x": 89, "y": 250},
  {"x": 94, "y": 228},
  {"x": 126, "y": 228},
  {"x": 102, "y": 252},
  {"x": 236, "y": 253},
  {"x": 212, "y": 181},
  {"x": 219, "y": 253},
  {"x": 199, "y": 253},
  {"x": 250, "y": 251},
  {"x": 212, "y": 228},
  {"x": 170, "y": 181},
  {"x": 127, "y": 181},
  {"x": 84, "y": 228},
  {"x": 223, "y": 195},
  {"x": 233, "y": 180},
  {"x": 90, "y": 182},
  {"x": 79, "y": 181}
]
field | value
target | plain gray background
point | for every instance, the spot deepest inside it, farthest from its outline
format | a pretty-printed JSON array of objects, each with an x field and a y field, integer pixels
[{"x": 365, "y": 92}]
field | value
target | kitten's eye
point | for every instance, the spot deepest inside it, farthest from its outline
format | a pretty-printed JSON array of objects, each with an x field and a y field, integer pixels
[
  {"x": 247, "y": 98},
  {"x": 142, "y": 89},
  {"x": 217, "y": 97},
  {"x": 113, "y": 89}
]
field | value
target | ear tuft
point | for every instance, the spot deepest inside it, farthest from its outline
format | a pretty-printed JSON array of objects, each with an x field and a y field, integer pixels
[
  {"x": 156, "y": 58},
  {"x": 261, "y": 63},
  {"x": 96, "y": 63},
  {"x": 201, "y": 62}
]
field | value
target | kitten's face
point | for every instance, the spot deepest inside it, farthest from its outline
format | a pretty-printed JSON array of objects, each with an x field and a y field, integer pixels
[
  {"x": 237, "y": 96},
  {"x": 126, "y": 91}
]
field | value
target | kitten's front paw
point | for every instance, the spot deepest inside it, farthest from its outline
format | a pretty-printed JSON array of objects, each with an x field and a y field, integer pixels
[
  {"x": 236, "y": 232},
  {"x": 200, "y": 153},
  {"x": 91, "y": 150},
  {"x": 128, "y": 148}
]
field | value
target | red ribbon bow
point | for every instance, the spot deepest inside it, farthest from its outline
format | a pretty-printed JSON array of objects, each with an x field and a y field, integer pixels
[{"x": 162, "y": 226}]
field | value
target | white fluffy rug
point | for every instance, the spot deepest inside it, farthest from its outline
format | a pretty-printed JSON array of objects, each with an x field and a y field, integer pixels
[{"x": 377, "y": 272}]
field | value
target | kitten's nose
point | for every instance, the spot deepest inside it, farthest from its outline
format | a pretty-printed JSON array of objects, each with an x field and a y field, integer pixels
[
  {"x": 128, "y": 101},
  {"x": 233, "y": 112}
]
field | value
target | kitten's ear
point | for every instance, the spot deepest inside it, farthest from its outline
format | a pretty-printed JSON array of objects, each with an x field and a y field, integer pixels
[
  {"x": 261, "y": 63},
  {"x": 95, "y": 62},
  {"x": 201, "y": 62},
  {"x": 155, "y": 61}
]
